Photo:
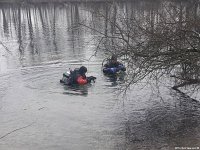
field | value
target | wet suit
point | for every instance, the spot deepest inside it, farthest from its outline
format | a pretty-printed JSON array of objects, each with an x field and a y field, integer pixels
[
  {"x": 77, "y": 78},
  {"x": 113, "y": 67},
  {"x": 112, "y": 64}
]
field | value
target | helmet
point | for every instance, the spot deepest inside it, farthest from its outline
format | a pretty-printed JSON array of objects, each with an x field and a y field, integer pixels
[
  {"x": 114, "y": 57},
  {"x": 82, "y": 70}
]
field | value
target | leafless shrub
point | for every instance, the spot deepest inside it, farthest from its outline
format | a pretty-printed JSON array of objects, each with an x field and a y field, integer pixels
[{"x": 156, "y": 42}]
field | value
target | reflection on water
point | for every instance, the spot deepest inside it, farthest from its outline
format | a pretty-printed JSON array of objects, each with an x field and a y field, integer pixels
[
  {"x": 76, "y": 90},
  {"x": 164, "y": 126},
  {"x": 43, "y": 45},
  {"x": 116, "y": 79},
  {"x": 43, "y": 32}
]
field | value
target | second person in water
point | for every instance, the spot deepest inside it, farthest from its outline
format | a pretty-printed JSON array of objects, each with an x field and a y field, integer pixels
[{"x": 113, "y": 66}]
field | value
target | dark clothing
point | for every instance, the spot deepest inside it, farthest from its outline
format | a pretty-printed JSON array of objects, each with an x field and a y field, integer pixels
[
  {"x": 112, "y": 64},
  {"x": 77, "y": 78}
]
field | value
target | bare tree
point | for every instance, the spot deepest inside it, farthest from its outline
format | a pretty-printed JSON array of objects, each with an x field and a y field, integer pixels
[{"x": 161, "y": 40}]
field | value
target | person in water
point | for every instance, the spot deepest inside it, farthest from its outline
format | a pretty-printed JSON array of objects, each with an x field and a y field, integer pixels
[
  {"x": 112, "y": 62},
  {"x": 78, "y": 76},
  {"x": 113, "y": 65}
]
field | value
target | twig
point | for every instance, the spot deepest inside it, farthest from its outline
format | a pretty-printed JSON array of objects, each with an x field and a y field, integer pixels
[{"x": 15, "y": 130}]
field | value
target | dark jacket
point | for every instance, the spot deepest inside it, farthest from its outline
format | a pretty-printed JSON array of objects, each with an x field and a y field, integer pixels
[
  {"x": 112, "y": 64},
  {"x": 77, "y": 78}
]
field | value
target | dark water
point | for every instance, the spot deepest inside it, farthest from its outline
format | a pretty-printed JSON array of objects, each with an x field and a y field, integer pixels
[{"x": 37, "y": 112}]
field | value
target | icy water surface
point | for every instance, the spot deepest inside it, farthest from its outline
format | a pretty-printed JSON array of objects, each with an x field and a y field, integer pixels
[{"x": 39, "y": 113}]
